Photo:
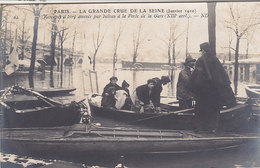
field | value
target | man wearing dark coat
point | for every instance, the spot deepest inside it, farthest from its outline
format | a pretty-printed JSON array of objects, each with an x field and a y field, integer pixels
[
  {"x": 142, "y": 97},
  {"x": 108, "y": 100},
  {"x": 184, "y": 95},
  {"x": 113, "y": 83},
  {"x": 210, "y": 85},
  {"x": 156, "y": 92}
]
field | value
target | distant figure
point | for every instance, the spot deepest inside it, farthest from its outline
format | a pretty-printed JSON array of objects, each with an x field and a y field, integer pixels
[
  {"x": 141, "y": 97},
  {"x": 113, "y": 83},
  {"x": 156, "y": 92},
  {"x": 211, "y": 87},
  {"x": 184, "y": 95},
  {"x": 108, "y": 100}
]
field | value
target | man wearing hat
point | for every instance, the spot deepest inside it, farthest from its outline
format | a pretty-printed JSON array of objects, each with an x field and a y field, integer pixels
[
  {"x": 156, "y": 92},
  {"x": 184, "y": 95},
  {"x": 113, "y": 83},
  {"x": 210, "y": 85}
]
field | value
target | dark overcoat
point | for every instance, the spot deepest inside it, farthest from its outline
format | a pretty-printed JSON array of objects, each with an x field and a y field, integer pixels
[
  {"x": 110, "y": 85},
  {"x": 209, "y": 78},
  {"x": 144, "y": 94},
  {"x": 156, "y": 94},
  {"x": 183, "y": 93}
]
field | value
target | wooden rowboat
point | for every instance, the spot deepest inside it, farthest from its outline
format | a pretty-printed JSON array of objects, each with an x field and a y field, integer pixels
[
  {"x": 170, "y": 117},
  {"x": 21, "y": 107},
  {"x": 253, "y": 91},
  {"x": 114, "y": 140}
]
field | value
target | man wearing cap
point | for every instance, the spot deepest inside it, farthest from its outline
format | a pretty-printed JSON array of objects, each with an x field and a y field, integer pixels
[
  {"x": 156, "y": 92},
  {"x": 184, "y": 95},
  {"x": 210, "y": 85},
  {"x": 113, "y": 83}
]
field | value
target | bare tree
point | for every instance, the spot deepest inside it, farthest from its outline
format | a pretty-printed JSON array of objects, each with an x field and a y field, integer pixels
[
  {"x": 240, "y": 25},
  {"x": 137, "y": 40},
  {"x": 37, "y": 12},
  {"x": 62, "y": 37},
  {"x": 116, "y": 42},
  {"x": 171, "y": 38},
  {"x": 97, "y": 41},
  {"x": 23, "y": 37},
  {"x": 53, "y": 41},
  {"x": 249, "y": 36}
]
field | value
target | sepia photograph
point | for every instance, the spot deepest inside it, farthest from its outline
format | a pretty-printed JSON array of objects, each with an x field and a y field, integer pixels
[{"x": 129, "y": 84}]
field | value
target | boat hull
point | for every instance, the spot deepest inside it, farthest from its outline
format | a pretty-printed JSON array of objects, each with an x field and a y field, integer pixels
[
  {"x": 155, "y": 120},
  {"x": 253, "y": 91},
  {"x": 234, "y": 118},
  {"x": 47, "y": 117},
  {"x": 41, "y": 141}
]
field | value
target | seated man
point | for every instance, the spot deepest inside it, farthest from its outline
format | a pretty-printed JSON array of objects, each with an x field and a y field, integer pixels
[
  {"x": 108, "y": 100},
  {"x": 113, "y": 83},
  {"x": 141, "y": 97}
]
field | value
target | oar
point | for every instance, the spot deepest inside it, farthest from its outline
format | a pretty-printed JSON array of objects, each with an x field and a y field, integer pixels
[{"x": 162, "y": 115}]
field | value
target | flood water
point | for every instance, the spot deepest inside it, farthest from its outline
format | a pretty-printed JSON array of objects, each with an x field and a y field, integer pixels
[{"x": 246, "y": 156}]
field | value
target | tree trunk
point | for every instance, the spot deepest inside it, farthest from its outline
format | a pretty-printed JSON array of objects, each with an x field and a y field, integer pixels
[
  {"x": 236, "y": 65},
  {"x": 94, "y": 61},
  {"x": 53, "y": 41},
  {"x": 134, "y": 58},
  {"x": 61, "y": 56},
  {"x": 212, "y": 26},
  {"x": 229, "y": 52},
  {"x": 33, "y": 55},
  {"x": 169, "y": 53},
  {"x": 173, "y": 54},
  {"x": 23, "y": 41},
  {"x": 114, "y": 64}
]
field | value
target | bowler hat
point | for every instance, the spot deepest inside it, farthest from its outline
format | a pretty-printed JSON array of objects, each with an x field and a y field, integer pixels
[
  {"x": 205, "y": 46},
  {"x": 113, "y": 78}
]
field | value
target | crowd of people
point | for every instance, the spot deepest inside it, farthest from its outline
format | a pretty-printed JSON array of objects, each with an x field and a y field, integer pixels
[{"x": 204, "y": 81}]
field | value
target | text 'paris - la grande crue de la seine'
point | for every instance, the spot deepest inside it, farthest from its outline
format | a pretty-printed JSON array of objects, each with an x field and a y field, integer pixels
[{"x": 123, "y": 13}]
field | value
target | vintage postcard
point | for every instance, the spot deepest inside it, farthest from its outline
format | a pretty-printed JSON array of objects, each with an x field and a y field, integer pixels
[{"x": 130, "y": 84}]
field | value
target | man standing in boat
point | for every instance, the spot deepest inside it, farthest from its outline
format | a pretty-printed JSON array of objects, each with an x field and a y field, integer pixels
[
  {"x": 113, "y": 83},
  {"x": 156, "y": 92},
  {"x": 210, "y": 85},
  {"x": 184, "y": 95},
  {"x": 141, "y": 97}
]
